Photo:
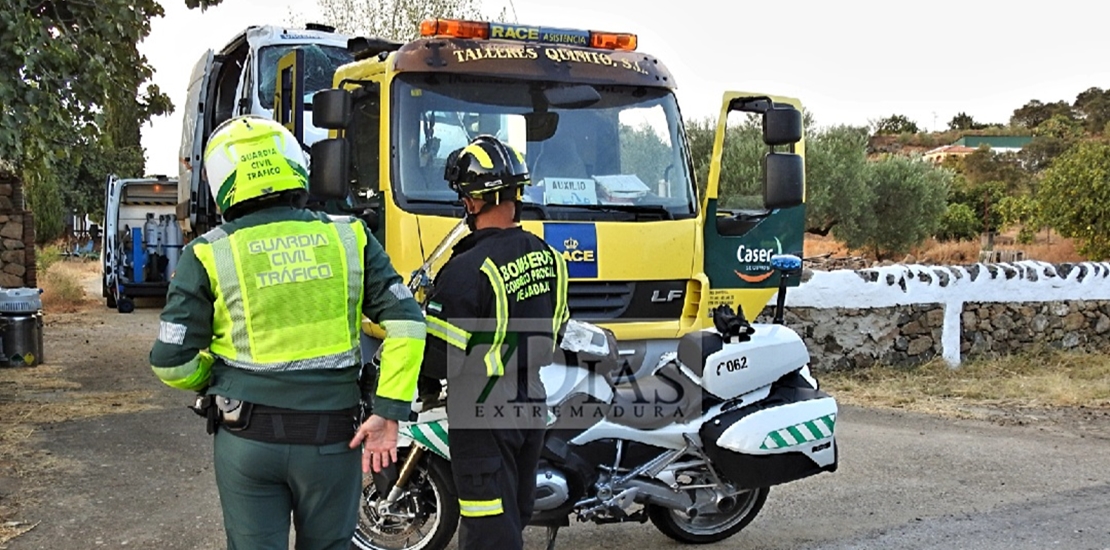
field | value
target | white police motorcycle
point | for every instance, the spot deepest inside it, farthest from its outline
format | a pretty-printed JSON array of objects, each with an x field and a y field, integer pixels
[{"x": 692, "y": 445}]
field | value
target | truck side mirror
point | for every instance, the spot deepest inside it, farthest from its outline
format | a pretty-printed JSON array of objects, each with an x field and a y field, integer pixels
[
  {"x": 330, "y": 178},
  {"x": 782, "y": 125},
  {"x": 783, "y": 180},
  {"x": 331, "y": 109}
]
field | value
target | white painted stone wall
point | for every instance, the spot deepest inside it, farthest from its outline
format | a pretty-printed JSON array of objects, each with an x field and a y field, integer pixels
[{"x": 951, "y": 287}]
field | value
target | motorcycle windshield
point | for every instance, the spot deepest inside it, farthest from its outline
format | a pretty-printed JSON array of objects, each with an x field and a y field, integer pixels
[{"x": 593, "y": 152}]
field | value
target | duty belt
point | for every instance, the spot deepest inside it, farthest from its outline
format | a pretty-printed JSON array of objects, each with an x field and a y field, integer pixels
[{"x": 277, "y": 425}]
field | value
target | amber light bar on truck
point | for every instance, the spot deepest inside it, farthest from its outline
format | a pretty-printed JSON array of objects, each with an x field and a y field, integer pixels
[{"x": 484, "y": 30}]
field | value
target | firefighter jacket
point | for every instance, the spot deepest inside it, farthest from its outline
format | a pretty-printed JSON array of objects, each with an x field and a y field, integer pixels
[
  {"x": 498, "y": 304},
  {"x": 267, "y": 309}
]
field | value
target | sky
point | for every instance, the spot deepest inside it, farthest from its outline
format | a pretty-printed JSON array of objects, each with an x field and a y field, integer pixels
[{"x": 848, "y": 61}]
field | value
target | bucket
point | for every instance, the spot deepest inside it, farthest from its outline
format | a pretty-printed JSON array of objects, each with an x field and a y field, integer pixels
[{"x": 20, "y": 327}]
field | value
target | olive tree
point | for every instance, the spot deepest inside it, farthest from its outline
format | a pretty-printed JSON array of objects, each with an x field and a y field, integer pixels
[{"x": 1074, "y": 197}]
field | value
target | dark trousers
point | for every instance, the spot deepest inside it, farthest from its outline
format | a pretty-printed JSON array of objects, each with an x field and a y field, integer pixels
[
  {"x": 263, "y": 484},
  {"x": 495, "y": 474}
]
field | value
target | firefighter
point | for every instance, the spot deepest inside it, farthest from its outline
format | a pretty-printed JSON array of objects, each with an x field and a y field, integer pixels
[
  {"x": 493, "y": 316},
  {"x": 262, "y": 318}
]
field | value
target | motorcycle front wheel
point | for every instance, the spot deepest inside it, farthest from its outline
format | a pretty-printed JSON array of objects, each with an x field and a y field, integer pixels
[
  {"x": 709, "y": 528},
  {"x": 425, "y": 516}
]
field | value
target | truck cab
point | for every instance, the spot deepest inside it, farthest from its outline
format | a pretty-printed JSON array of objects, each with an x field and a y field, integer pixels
[
  {"x": 240, "y": 79},
  {"x": 613, "y": 187}
]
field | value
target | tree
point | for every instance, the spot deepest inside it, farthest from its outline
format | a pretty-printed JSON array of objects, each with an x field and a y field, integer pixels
[
  {"x": 1060, "y": 126},
  {"x": 740, "y": 184},
  {"x": 984, "y": 166},
  {"x": 964, "y": 121},
  {"x": 1075, "y": 197},
  {"x": 74, "y": 76},
  {"x": 896, "y": 124},
  {"x": 1023, "y": 211},
  {"x": 959, "y": 223},
  {"x": 1093, "y": 106},
  {"x": 1050, "y": 139},
  {"x": 836, "y": 180},
  {"x": 908, "y": 200},
  {"x": 1033, "y": 113},
  {"x": 397, "y": 20},
  {"x": 643, "y": 152},
  {"x": 981, "y": 198}
]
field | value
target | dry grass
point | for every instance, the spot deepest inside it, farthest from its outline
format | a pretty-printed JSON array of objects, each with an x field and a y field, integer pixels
[
  {"x": 815, "y": 245},
  {"x": 1047, "y": 247},
  {"x": 30, "y": 397},
  {"x": 63, "y": 286},
  {"x": 13, "y": 529},
  {"x": 1055, "y": 250},
  {"x": 947, "y": 253},
  {"x": 47, "y": 256},
  {"x": 1044, "y": 379}
]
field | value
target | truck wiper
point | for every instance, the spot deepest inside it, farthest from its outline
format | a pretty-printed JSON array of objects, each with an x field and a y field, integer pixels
[
  {"x": 455, "y": 202},
  {"x": 537, "y": 207},
  {"x": 633, "y": 208}
]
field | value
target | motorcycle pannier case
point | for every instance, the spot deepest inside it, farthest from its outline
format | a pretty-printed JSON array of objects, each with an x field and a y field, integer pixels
[{"x": 785, "y": 437}]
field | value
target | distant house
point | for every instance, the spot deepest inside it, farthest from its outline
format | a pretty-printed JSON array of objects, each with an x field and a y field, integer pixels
[
  {"x": 938, "y": 155},
  {"x": 969, "y": 144},
  {"x": 998, "y": 144}
]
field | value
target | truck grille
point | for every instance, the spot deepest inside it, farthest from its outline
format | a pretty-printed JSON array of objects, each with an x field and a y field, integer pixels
[{"x": 595, "y": 300}]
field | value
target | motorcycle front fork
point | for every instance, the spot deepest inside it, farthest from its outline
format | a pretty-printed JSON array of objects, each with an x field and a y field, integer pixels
[{"x": 411, "y": 460}]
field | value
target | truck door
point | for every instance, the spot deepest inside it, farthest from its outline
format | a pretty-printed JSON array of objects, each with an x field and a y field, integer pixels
[
  {"x": 191, "y": 190},
  {"x": 111, "y": 228},
  {"x": 740, "y": 234}
]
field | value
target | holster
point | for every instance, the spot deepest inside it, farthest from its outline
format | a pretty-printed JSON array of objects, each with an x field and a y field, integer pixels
[
  {"x": 217, "y": 411},
  {"x": 205, "y": 406},
  {"x": 234, "y": 414}
]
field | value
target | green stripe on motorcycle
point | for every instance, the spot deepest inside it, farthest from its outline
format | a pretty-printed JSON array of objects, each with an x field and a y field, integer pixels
[
  {"x": 799, "y": 438},
  {"x": 420, "y": 437},
  {"x": 437, "y": 428},
  {"x": 777, "y": 439},
  {"x": 799, "y": 433},
  {"x": 813, "y": 429}
]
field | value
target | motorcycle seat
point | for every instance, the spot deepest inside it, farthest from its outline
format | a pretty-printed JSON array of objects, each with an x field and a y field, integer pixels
[
  {"x": 653, "y": 401},
  {"x": 695, "y": 347}
]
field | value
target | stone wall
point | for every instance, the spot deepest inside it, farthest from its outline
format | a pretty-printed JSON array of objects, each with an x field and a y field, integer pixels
[
  {"x": 909, "y": 314},
  {"x": 17, "y": 236},
  {"x": 845, "y": 338},
  {"x": 991, "y": 329}
]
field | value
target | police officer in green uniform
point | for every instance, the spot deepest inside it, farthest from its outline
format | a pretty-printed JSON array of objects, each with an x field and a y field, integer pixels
[
  {"x": 263, "y": 317},
  {"x": 497, "y": 305}
]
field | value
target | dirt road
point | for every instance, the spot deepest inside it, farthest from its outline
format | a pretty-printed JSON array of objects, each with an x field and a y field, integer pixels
[{"x": 95, "y": 452}]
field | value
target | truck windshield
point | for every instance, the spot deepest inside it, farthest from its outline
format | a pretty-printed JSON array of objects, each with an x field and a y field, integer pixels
[
  {"x": 597, "y": 152},
  {"x": 320, "y": 64}
]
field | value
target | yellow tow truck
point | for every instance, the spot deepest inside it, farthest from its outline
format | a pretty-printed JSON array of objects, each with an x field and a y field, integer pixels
[{"x": 648, "y": 250}]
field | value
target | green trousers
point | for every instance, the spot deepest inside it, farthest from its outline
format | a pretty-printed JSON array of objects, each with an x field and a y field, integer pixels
[{"x": 262, "y": 484}]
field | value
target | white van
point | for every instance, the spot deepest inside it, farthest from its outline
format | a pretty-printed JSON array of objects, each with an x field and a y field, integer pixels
[
  {"x": 241, "y": 79},
  {"x": 141, "y": 242}
]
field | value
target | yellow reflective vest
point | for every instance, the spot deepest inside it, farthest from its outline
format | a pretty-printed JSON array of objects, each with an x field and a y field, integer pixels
[{"x": 288, "y": 294}]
